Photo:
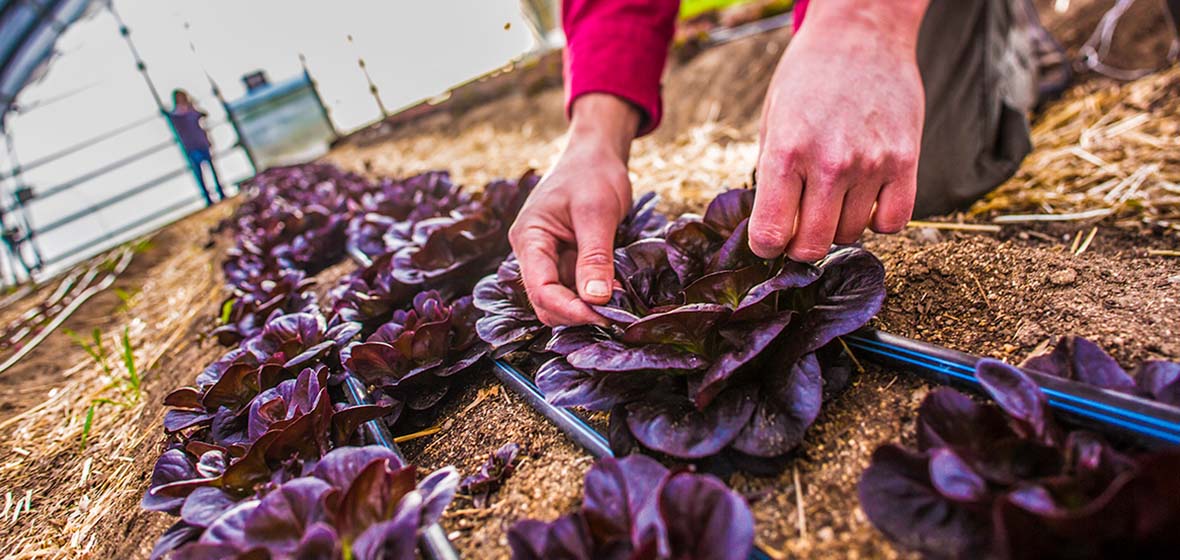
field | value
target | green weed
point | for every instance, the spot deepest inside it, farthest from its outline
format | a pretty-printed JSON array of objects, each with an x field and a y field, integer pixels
[{"x": 129, "y": 386}]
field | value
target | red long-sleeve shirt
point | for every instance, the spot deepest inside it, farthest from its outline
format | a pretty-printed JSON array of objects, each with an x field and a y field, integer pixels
[{"x": 619, "y": 47}]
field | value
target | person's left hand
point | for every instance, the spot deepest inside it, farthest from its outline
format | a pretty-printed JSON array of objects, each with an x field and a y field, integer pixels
[{"x": 841, "y": 129}]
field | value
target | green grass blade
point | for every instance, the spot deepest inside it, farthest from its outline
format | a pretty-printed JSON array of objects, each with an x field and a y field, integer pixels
[
  {"x": 129, "y": 362},
  {"x": 87, "y": 424}
]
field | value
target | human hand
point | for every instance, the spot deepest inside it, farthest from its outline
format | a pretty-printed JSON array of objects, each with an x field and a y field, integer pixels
[
  {"x": 841, "y": 130},
  {"x": 564, "y": 234}
]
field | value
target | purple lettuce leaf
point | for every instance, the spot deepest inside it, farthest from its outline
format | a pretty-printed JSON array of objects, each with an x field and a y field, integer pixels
[
  {"x": 1019, "y": 397},
  {"x": 704, "y": 519},
  {"x": 565, "y": 385},
  {"x": 672, "y": 424},
  {"x": 898, "y": 497},
  {"x": 789, "y": 404},
  {"x": 999, "y": 480},
  {"x": 636, "y": 508},
  {"x": 1160, "y": 380},
  {"x": 1079, "y": 359},
  {"x": 491, "y": 475}
]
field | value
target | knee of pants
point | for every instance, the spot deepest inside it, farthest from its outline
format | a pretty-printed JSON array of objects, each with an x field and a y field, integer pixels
[{"x": 953, "y": 175}]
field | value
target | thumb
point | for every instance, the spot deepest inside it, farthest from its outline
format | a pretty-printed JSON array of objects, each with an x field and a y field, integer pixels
[{"x": 594, "y": 232}]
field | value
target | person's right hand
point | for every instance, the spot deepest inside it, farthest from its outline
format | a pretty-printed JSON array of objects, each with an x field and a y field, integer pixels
[{"x": 564, "y": 234}]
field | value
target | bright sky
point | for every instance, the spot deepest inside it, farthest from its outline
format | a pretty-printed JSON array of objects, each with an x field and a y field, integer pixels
[{"x": 413, "y": 49}]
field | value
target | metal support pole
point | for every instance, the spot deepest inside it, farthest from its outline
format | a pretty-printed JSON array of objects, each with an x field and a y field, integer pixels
[
  {"x": 216, "y": 90},
  {"x": 25, "y": 228},
  {"x": 147, "y": 78},
  {"x": 360, "y": 60}
]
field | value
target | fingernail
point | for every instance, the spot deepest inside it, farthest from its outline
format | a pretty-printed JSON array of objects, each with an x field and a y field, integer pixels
[{"x": 597, "y": 288}]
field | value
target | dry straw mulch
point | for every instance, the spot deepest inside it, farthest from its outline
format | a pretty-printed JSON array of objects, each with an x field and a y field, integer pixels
[
  {"x": 63, "y": 500},
  {"x": 1104, "y": 151}
]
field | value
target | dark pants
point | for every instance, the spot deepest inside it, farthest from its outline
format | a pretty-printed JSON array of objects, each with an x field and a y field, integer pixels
[
  {"x": 975, "y": 57},
  {"x": 197, "y": 158}
]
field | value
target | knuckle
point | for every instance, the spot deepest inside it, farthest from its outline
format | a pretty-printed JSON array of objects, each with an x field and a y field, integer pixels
[
  {"x": 779, "y": 164},
  {"x": 596, "y": 256},
  {"x": 809, "y": 253},
  {"x": 769, "y": 235},
  {"x": 903, "y": 161},
  {"x": 837, "y": 167},
  {"x": 873, "y": 161},
  {"x": 890, "y": 225}
]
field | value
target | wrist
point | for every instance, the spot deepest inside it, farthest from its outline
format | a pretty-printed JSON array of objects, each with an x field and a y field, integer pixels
[
  {"x": 894, "y": 23},
  {"x": 601, "y": 121}
]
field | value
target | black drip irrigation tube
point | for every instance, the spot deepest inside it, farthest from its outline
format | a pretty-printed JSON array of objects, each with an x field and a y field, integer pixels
[
  {"x": 434, "y": 542},
  {"x": 569, "y": 423},
  {"x": 1120, "y": 415}
]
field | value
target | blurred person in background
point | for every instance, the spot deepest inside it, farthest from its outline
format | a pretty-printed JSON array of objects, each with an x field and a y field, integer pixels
[
  {"x": 877, "y": 112},
  {"x": 186, "y": 119}
]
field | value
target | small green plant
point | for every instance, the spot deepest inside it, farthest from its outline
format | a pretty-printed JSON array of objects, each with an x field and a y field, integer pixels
[
  {"x": 130, "y": 386},
  {"x": 226, "y": 309},
  {"x": 125, "y": 298},
  {"x": 93, "y": 347},
  {"x": 132, "y": 381}
]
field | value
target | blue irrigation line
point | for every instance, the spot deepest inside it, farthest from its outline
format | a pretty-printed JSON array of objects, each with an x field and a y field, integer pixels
[
  {"x": 1147, "y": 421},
  {"x": 434, "y": 542},
  {"x": 569, "y": 423}
]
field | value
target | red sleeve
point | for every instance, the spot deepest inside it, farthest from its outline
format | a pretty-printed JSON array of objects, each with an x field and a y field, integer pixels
[
  {"x": 618, "y": 47},
  {"x": 800, "y": 10}
]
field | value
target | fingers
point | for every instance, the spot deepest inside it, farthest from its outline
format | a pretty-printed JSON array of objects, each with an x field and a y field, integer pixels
[
  {"x": 856, "y": 213},
  {"x": 895, "y": 204},
  {"x": 772, "y": 220},
  {"x": 594, "y": 232},
  {"x": 554, "y": 303},
  {"x": 819, "y": 216}
]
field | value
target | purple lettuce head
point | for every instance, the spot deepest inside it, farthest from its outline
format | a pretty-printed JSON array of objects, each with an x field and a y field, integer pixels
[
  {"x": 371, "y": 294},
  {"x": 387, "y": 213},
  {"x": 446, "y": 252},
  {"x": 1005, "y": 481},
  {"x": 358, "y": 502},
  {"x": 636, "y": 508},
  {"x": 1078, "y": 359},
  {"x": 711, "y": 349},
  {"x": 287, "y": 430},
  {"x": 509, "y": 322},
  {"x": 499, "y": 466},
  {"x": 284, "y": 347},
  {"x": 414, "y": 357},
  {"x": 292, "y": 218},
  {"x": 250, "y": 304}
]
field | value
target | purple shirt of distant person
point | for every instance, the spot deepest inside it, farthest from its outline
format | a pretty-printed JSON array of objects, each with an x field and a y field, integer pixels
[{"x": 186, "y": 120}]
